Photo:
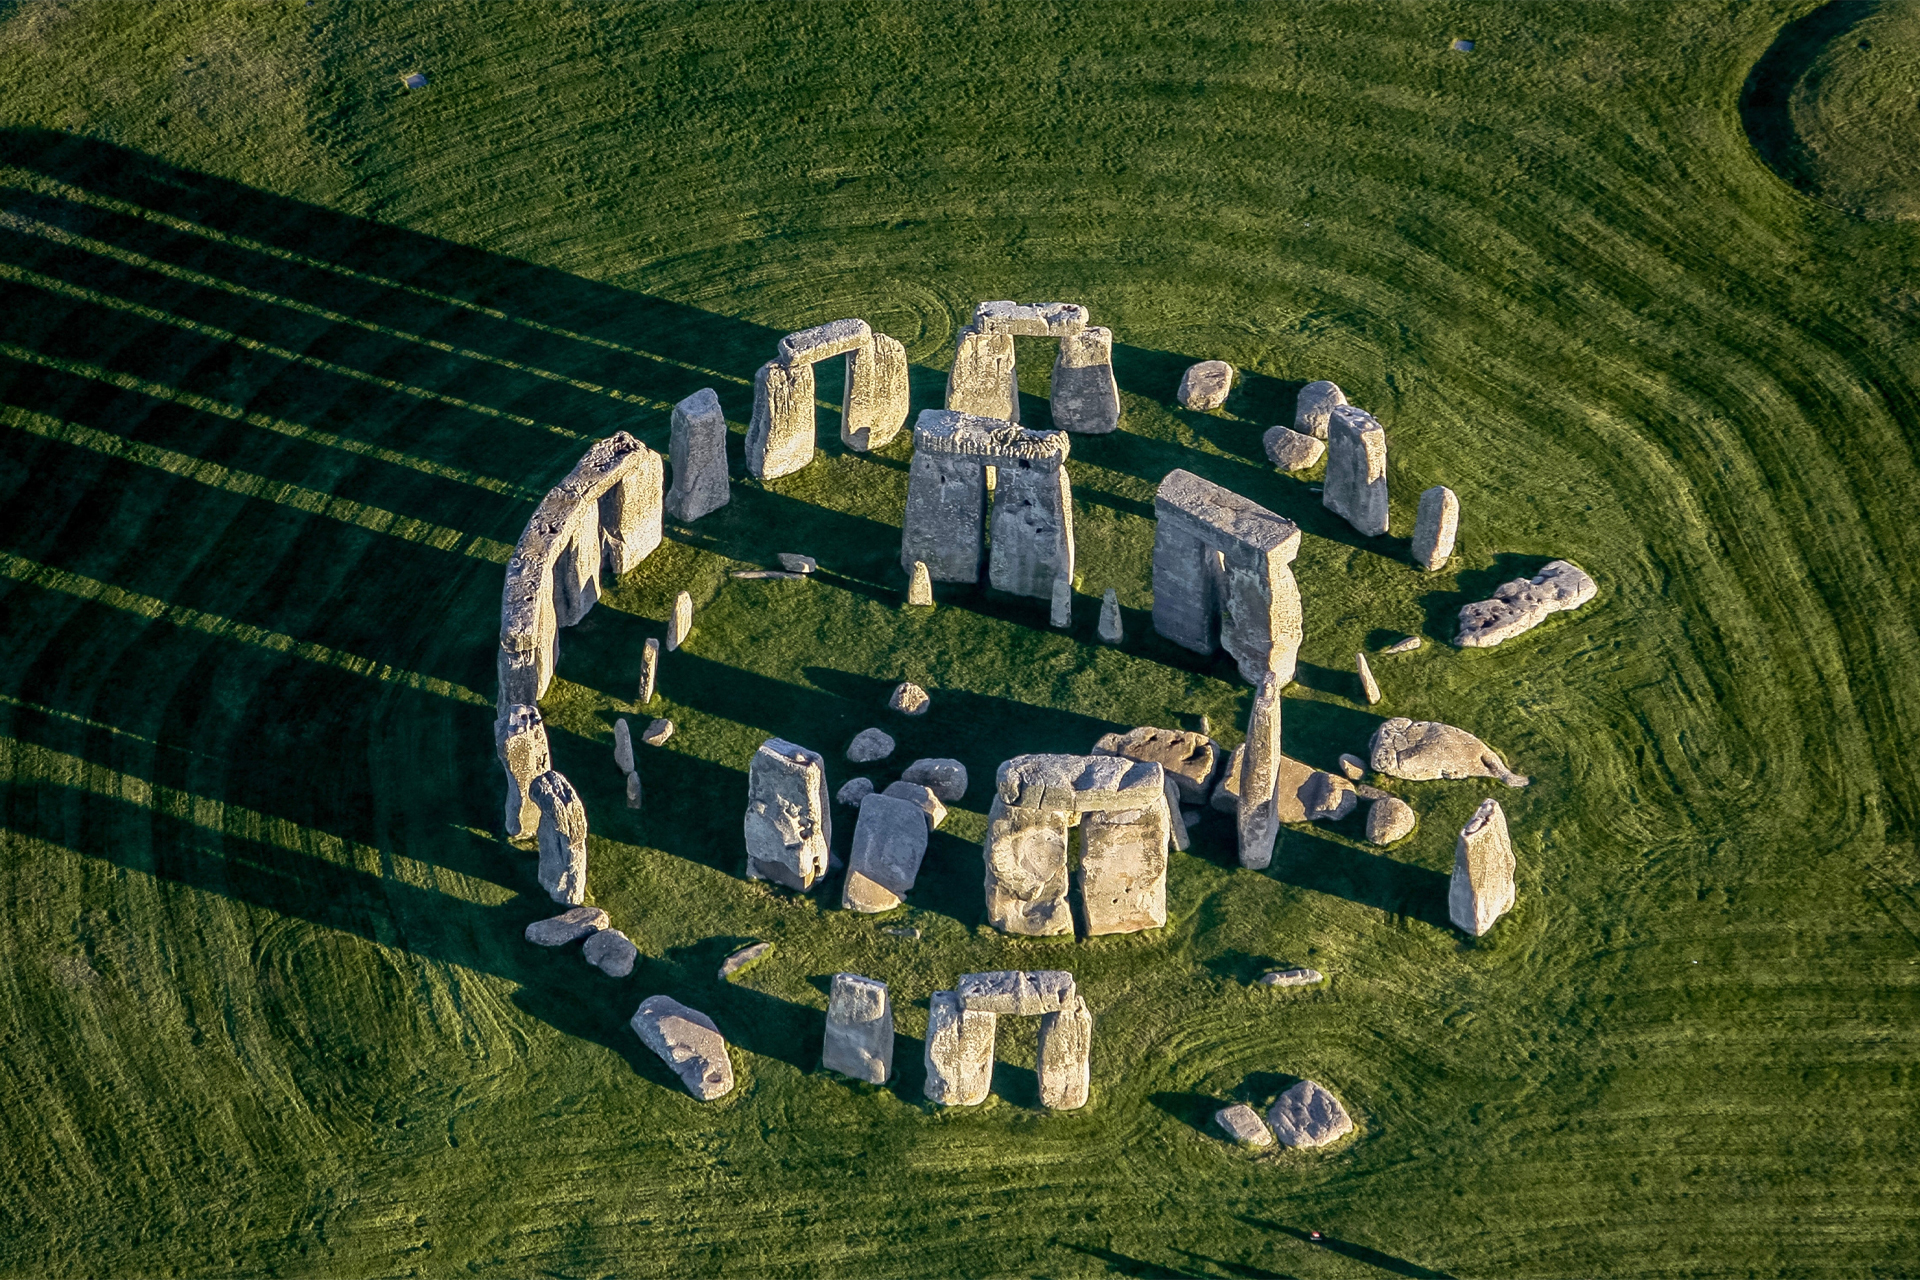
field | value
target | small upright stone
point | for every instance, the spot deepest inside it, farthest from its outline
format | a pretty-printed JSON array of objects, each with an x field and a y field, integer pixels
[
  {"x": 854, "y": 790},
  {"x": 1522, "y": 605},
  {"x": 1242, "y": 1124},
  {"x": 680, "y": 624},
  {"x": 959, "y": 1054},
  {"x": 1435, "y": 527},
  {"x": 1356, "y": 485},
  {"x": 1061, "y": 612},
  {"x": 909, "y": 699},
  {"x": 563, "y": 838},
  {"x": 520, "y": 740},
  {"x": 1258, "y": 824},
  {"x": 649, "y": 668},
  {"x": 859, "y": 1040},
  {"x": 1290, "y": 450},
  {"x": 688, "y": 1042},
  {"x": 1389, "y": 819},
  {"x": 633, "y": 789},
  {"x": 1109, "y": 630},
  {"x": 1310, "y": 410},
  {"x": 1065, "y": 1056},
  {"x": 1308, "y": 1116},
  {"x": 623, "y": 745},
  {"x": 568, "y": 926},
  {"x": 1204, "y": 386},
  {"x": 920, "y": 589},
  {"x": 1353, "y": 766},
  {"x": 1368, "y": 685},
  {"x": 944, "y": 777},
  {"x": 697, "y": 452},
  {"x": 869, "y": 745},
  {"x": 611, "y": 952},
  {"x": 1482, "y": 887}
]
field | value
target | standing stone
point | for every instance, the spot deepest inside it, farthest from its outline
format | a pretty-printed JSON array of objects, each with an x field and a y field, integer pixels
[
  {"x": 1356, "y": 481},
  {"x": 623, "y": 745},
  {"x": 698, "y": 452},
  {"x": 1291, "y": 450},
  {"x": 1259, "y": 777},
  {"x": 1221, "y": 576},
  {"x": 1060, "y": 614},
  {"x": 1242, "y": 1124},
  {"x": 889, "y": 842},
  {"x": 1422, "y": 750},
  {"x": 909, "y": 699},
  {"x": 1317, "y": 400},
  {"x": 1522, "y": 605},
  {"x": 688, "y": 1042},
  {"x": 1086, "y": 399},
  {"x": 947, "y": 494},
  {"x": 611, "y": 952},
  {"x": 650, "y": 662},
  {"x": 1389, "y": 819},
  {"x": 959, "y": 1054},
  {"x": 1482, "y": 887},
  {"x": 877, "y": 392},
  {"x": 780, "y": 437},
  {"x": 1065, "y": 1057},
  {"x": 945, "y": 777},
  {"x": 576, "y": 569},
  {"x": 859, "y": 1039},
  {"x": 788, "y": 826},
  {"x": 680, "y": 624},
  {"x": 1308, "y": 1116},
  {"x": 1190, "y": 759},
  {"x": 920, "y": 588},
  {"x": 1176, "y": 818},
  {"x": 1026, "y": 864},
  {"x": 1204, "y": 386},
  {"x": 983, "y": 381},
  {"x": 520, "y": 740},
  {"x": 1368, "y": 685},
  {"x": 1435, "y": 527},
  {"x": 629, "y": 513},
  {"x": 563, "y": 838},
  {"x": 1109, "y": 629},
  {"x": 1123, "y": 868},
  {"x": 1032, "y": 514}
]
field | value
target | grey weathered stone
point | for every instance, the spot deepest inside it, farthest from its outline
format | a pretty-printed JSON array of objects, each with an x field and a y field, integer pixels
[
  {"x": 1353, "y": 766},
  {"x": 1221, "y": 576},
  {"x": 1078, "y": 784},
  {"x": 1291, "y": 450},
  {"x": 611, "y": 952},
  {"x": 859, "y": 1040},
  {"x": 1226, "y": 791},
  {"x": 688, "y": 1042},
  {"x": 788, "y": 826},
  {"x": 1109, "y": 629},
  {"x": 742, "y": 958},
  {"x": 1065, "y": 1057},
  {"x": 1123, "y": 868},
  {"x": 623, "y": 745},
  {"x": 1389, "y": 818},
  {"x": 520, "y": 741},
  {"x": 1328, "y": 797},
  {"x": 1435, "y": 527},
  {"x": 920, "y": 585},
  {"x": 1190, "y": 759},
  {"x": 824, "y": 341},
  {"x": 909, "y": 699},
  {"x": 1426, "y": 749},
  {"x": 1368, "y": 685},
  {"x": 1016, "y": 991},
  {"x": 854, "y": 790},
  {"x": 1311, "y": 408},
  {"x": 945, "y": 777},
  {"x": 1366, "y": 792},
  {"x": 1308, "y": 1116},
  {"x": 1356, "y": 480},
  {"x": 568, "y": 926},
  {"x": 1294, "y": 787},
  {"x": 1482, "y": 890},
  {"x": 1242, "y": 1124},
  {"x": 947, "y": 494},
  {"x": 792, "y": 562},
  {"x": 983, "y": 381},
  {"x": 1176, "y": 816},
  {"x": 1032, "y": 515},
  {"x": 657, "y": 732},
  {"x": 680, "y": 621},
  {"x": 1257, "y": 821},
  {"x": 1407, "y": 645},
  {"x": 869, "y": 745},
  {"x": 889, "y": 842},
  {"x": 1060, "y": 610},
  {"x": 780, "y": 436},
  {"x": 781, "y": 575},
  {"x": 1521, "y": 605},
  {"x": 628, "y": 514},
  {"x": 1026, "y": 869},
  {"x": 1031, "y": 319},
  {"x": 576, "y": 567},
  {"x": 650, "y": 666},
  {"x": 1085, "y": 397},
  {"x": 698, "y": 453},
  {"x": 563, "y": 838},
  {"x": 633, "y": 789},
  {"x": 877, "y": 395},
  {"x": 1292, "y": 978},
  {"x": 1204, "y": 386},
  {"x": 922, "y": 798},
  {"x": 959, "y": 1053}
]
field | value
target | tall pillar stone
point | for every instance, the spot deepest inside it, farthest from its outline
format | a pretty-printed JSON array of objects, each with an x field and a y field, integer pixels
[
  {"x": 1482, "y": 890},
  {"x": 1356, "y": 480},
  {"x": 983, "y": 381},
  {"x": 877, "y": 393},
  {"x": 1032, "y": 514},
  {"x": 563, "y": 838},
  {"x": 859, "y": 1040},
  {"x": 1026, "y": 862},
  {"x": 629, "y": 514},
  {"x": 1086, "y": 399},
  {"x": 1257, "y": 821},
  {"x": 576, "y": 570},
  {"x": 959, "y": 1053},
  {"x": 947, "y": 495},
  {"x": 520, "y": 740},
  {"x": 1435, "y": 528},
  {"x": 1064, "y": 1062},
  {"x": 698, "y": 454},
  {"x": 789, "y": 827},
  {"x": 780, "y": 437},
  {"x": 1123, "y": 868},
  {"x": 1221, "y": 568}
]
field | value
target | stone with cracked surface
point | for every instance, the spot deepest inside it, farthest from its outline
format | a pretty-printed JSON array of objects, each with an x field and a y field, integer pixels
[
  {"x": 922, "y": 798},
  {"x": 520, "y": 741},
  {"x": 1019, "y": 992},
  {"x": 1290, "y": 450},
  {"x": 982, "y": 380},
  {"x": 657, "y": 733},
  {"x": 780, "y": 435},
  {"x": 1389, "y": 818},
  {"x": 870, "y": 745},
  {"x": 1031, "y": 319},
  {"x": 889, "y": 843},
  {"x": 1123, "y": 868},
  {"x": 1257, "y": 819},
  {"x": 563, "y": 838},
  {"x": 959, "y": 1052},
  {"x": 1523, "y": 604},
  {"x": 1423, "y": 750},
  {"x": 1226, "y": 791},
  {"x": 1482, "y": 888},
  {"x": 1026, "y": 869},
  {"x": 1190, "y": 759},
  {"x": 1222, "y": 576},
  {"x": 859, "y": 1040},
  {"x": 788, "y": 827},
  {"x": 945, "y": 777},
  {"x": 1307, "y": 1115},
  {"x": 697, "y": 451},
  {"x": 1032, "y": 542},
  {"x": 611, "y": 952},
  {"x": 1356, "y": 481},
  {"x": 650, "y": 667},
  {"x": 1204, "y": 387},
  {"x": 1292, "y": 789},
  {"x": 909, "y": 699},
  {"x": 1312, "y": 406},
  {"x": 1109, "y": 629},
  {"x": 877, "y": 395},
  {"x": 1435, "y": 527},
  {"x": 1085, "y": 398},
  {"x": 1078, "y": 784},
  {"x": 568, "y": 926},
  {"x": 1368, "y": 685},
  {"x": 947, "y": 494},
  {"x": 688, "y": 1042},
  {"x": 680, "y": 621},
  {"x": 1065, "y": 1057},
  {"x": 1242, "y": 1124}
]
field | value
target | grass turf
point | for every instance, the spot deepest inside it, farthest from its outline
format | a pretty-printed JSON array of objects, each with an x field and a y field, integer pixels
[{"x": 288, "y": 352}]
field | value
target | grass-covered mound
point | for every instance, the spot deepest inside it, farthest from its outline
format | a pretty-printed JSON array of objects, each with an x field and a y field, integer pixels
[{"x": 288, "y": 352}]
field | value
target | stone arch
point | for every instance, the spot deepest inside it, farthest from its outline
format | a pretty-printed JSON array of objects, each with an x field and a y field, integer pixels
[
  {"x": 984, "y": 380},
  {"x": 780, "y": 439}
]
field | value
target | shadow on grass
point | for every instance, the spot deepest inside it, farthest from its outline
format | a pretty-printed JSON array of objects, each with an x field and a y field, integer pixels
[
  {"x": 1766, "y": 97},
  {"x": 1311, "y": 861},
  {"x": 1349, "y": 1249}
]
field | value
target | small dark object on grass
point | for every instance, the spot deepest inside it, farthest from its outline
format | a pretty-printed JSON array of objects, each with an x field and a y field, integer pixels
[
  {"x": 414, "y": 80},
  {"x": 1463, "y": 46}
]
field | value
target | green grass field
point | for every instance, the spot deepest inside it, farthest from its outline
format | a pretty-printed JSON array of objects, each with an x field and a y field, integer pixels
[{"x": 288, "y": 353}]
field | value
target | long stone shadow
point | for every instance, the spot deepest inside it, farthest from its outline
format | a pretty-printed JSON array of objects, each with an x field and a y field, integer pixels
[
  {"x": 1310, "y": 861},
  {"x": 1766, "y": 97},
  {"x": 1348, "y": 1248}
]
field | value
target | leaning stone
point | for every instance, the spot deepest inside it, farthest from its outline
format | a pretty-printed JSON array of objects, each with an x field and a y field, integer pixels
[
  {"x": 1060, "y": 612},
  {"x": 920, "y": 589},
  {"x": 680, "y": 623},
  {"x": 869, "y": 745},
  {"x": 889, "y": 843},
  {"x": 922, "y": 798},
  {"x": 959, "y": 1053},
  {"x": 1242, "y": 1124},
  {"x": 788, "y": 826},
  {"x": 1308, "y": 1116},
  {"x": 793, "y": 563},
  {"x": 1328, "y": 796},
  {"x": 1435, "y": 527},
  {"x": 1188, "y": 758},
  {"x": 1368, "y": 685},
  {"x": 1389, "y": 818},
  {"x": 1109, "y": 629},
  {"x": 1204, "y": 386},
  {"x": 859, "y": 1039},
  {"x": 1310, "y": 410},
  {"x": 568, "y": 926},
  {"x": 611, "y": 952},
  {"x": 1356, "y": 482},
  {"x": 1353, "y": 766},
  {"x": 780, "y": 436},
  {"x": 982, "y": 381},
  {"x": 824, "y": 341},
  {"x": 650, "y": 667},
  {"x": 1258, "y": 823},
  {"x": 1292, "y": 978},
  {"x": 1403, "y": 646},
  {"x": 909, "y": 699},
  {"x": 877, "y": 394},
  {"x": 623, "y": 745},
  {"x": 1522, "y": 605},
  {"x": 688, "y": 1042},
  {"x": 854, "y": 790},
  {"x": 946, "y": 778},
  {"x": 633, "y": 789},
  {"x": 1290, "y": 450},
  {"x": 698, "y": 453},
  {"x": 657, "y": 733},
  {"x": 1086, "y": 399},
  {"x": 563, "y": 838},
  {"x": 1176, "y": 816},
  {"x": 1420, "y": 751},
  {"x": 1032, "y": 319},
  {"x": 1065, "y": 1057},
  {"x": 520, "y": 741},
  {"x": 1016, "y": 991},
  {"x": 743, "y": 958},
  {"x": 1482, "y": 887},
  {"x": 1123, "y": 868}
]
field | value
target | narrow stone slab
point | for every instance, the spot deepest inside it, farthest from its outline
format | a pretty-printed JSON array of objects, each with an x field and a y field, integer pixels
[
  {"x": 680, "y": 622},
  {"x": 870, "y": 745},
  {"x": 1242, "y": 1124},
  {"x": 795, "y": 563},
  {"x": 744, "y": 957},
  {"x": 687, "y": 1041},
  {"x": 1403, "y": 646},
  {"x": 1176, "y": 817},
  {"x": 780, "y": 436},
  {"x": 563, "y": 838},
  {"x": 568, "y": 926},
  {"x": 959, "y": 1052},
  {"x": 1291, "y": 450},
  {"x": 1221, "y": 576},
  {"x": 889, "y": 843},
  {"x": 1123, "y": 868},
  {"x": 1257, "y": 822},
  {"x": 788, "y": 827},
  {"x": 1086, "y": 398},
  {"x": 1060, "y": 608},
  {"x": 1352, "y": 766},
  {"x": 697, "y": 451},
  {"x": 1308, "y": 1116},
  {"x": 1226, "y": 790},
  {"x": 1356, "y": 480},
  {"x": 611, "y": 952},
  {"x": 1292, "y": 978},
  {"x": 1205, "y": 386},
  {"x": 1435, "y": 527},
  {"x": 1389, "y": 818},
  {"x": 650, "y": 664},
  {"x": 945, "y": 777},
  {"x": 629, "y": 515},
  {"x": 877, "y": 395},
  {"x": 982, "y": 380},
  {"x": 824, "y": 341},
  {"x": 1294, "y": 791},
  {"x": 1030, "y": 319},
  {"x": 1078, "y": 784},
  {"x": 1482, "y": 888},
  {"x": 633, "y": 789},
  {"x": 1311, "y": 409},
  {"x": 780, "y": 575},
  {"x": 1422, "y": 750},
  {"x": 1016, "y": 991},
  {"x": 1109, "y": 627},
  {"x": 1368, "y": 685},
  {"x": 622, "y": 746},
  {"x": 909, "y": 699},
  {"x": 1521, "y": 605},
  {"x": 1190, "y": 759},
  {"x": 1065, "y": 1058},
  {"x": 859, "y": 1041},
  {"x": 520, "y": 741},
  {"x": 921, "y": 798}
]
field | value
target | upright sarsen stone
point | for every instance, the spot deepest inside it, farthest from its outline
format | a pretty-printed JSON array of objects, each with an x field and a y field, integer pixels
[
  {"x": 1086, "y": 399},
  {"x": 1221, "y": 575},
  {"x": 1481, "y": 890},
  {"x": 698, "y": 454},
  {"x": 1065, "y": 1058},
  {"x": 1256, "y": 821},
  {"x": 959, "y": 1053},
  {"x": 1026, "y": 864},
  {"x": 859, "y": 1040},
  {"x": 1435, "y": 527},
  {"x": 563, "y": 838},
  {"x": 629, "y": 514},
  {"x": 983, "y": 381},
  {"x": 1032, "y": 516},
  {"x": 1356, "y": 480},
  {"x": 780, "y": 436},
  {"x": 1123, "y": 868},
  {"x": 877, "y": 394},
  {"x": 789, "y": 828},
  {"x": 947, "y": 495},
  {"x": 520, "y": 740}
]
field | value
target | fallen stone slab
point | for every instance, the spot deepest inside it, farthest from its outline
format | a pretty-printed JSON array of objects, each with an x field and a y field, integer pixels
[
  {"x": 1522, "y": 604},
  {"x": 1031, "y": 319},
  {"x": 909, "y": 699},
  {"x": 1190, "y": 759},
  {"x": 1316, "y": 401},
  {"x": 1389, "y": 818},
  {"x": 744, "y": 957},
  {"x": 1353, "y": 766},
  {"x": 650, "y": 667},
  {"x": 1016, "y": 991},
  {"x": 1293, "y": 789},
  {"x": 1308, "y": 1116},
  {"x": 1403, "y": 646},
  {"x": 1482, "y": 888},
  {"x": 859, "y": 1040},
  {"x": 1435, "y": 527},
  {"x": 778, "y": 575},
  {"x": 1421, "y": 751},
  {"x": 945, "y": 777},
  {"x": 1368, "y": 685},
  {"x": 680, "y": 621},
  {"x": 920, "y": 797},
  {"x": 1292, "y": 978},
  {"x": 697, "y": 451},
  {"x": 1085, "y": 397},
  {"x": 1109, "y": 629},
  {"x": 611, "y": 952},
  {"x": 657, "y": 733},
  {"x": 1356, "y": 480},
  {"x": 1327, "y": 797},
  {"x": 568, "y": 926},
  {"x": 854, "y": 790},
  {"x": 563, "y": 838},
  {"x": 1242, "y": 1124},
  {"x": 795, "y": 563},
  {"x": 959, "y": 1052},
  {"x": 1065, "y": 1058},
  {"x": 1291, "y": 450},
  {"x": 788, "y": 827},
  {"x": 869, "y": 745},
  {"x": 1204, "y": 386},
  {"x": 889, "y": 843},
  {"x": 688, "y": 1042}
]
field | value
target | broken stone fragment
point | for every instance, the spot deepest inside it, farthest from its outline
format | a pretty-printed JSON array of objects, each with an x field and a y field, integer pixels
[
  {"x": 1176, "y": 816},
  {"x": 1190, "y": 759},
  {"x": 1064, "y": 1060},
  {"x": 854, "y": 790},
  {"x": 623, "y": 745},
  {"x": 1327, "y": 796},
  {"x": 611, "y": 952},
  {"x": 1423, "y": 750},
  {"x": 788, "y": 827},
  {"x": 921, "y": 798},
  {"x": 1257, "y": 821},
  {"x": 777, "y": 574},
  {"x": 698, "y": 453},
  {"x": 1522, "y": 605},
  {"x": 649, "y": 668},
  {"x": 1242, "y": 1124},
  {"x": 1292, "y": 789},
  {"x": 1403, "y": 646},
  {"x": 920, "y": 587},
  {"x": 889, "y": 843},
  {"x": 1389, "y": 819},
  {"x": 859, "y": 1041},
  {"x": 1356, "y": 481},
  {"x": 1226, "y": 791},
  {"x": 1368, "y": 685},
  {"x": 1109, "y": 629},
  {"x": 959, "y": 1053},
  {"x": 1435, "y": 527},
  {"x": 1353, "y": 766},
  {"x": 688, "y": 1042},
  {"x": 1308, "y": 1116},
  {"x": 1019, "y": 992},
  {"x": 869, "y": 745},
  {"x": 568, "y": 926},
  {"x": 1482, "y": 890},
  {"x": 1366, "y": 792},
  {"x": 1290, "y": 450},
  {"x": 1204, "y": 386},
  {"x": 794, "y": 563},
  {"x": 945, "y": 777},
  {"x": 780, "y": 435},
  {"x": 563, "y": 838},
  {"x": 680, "y": 622},
  {"x": 1085, "y": 398},
  {"x": 633, "y": 789},
  {"x": 742, "y": 958},
  {"x": 520, "y": 740},
  {"x": 1292, "y": 978},
  {"x": 909, "y": 699},
  {"x": 657, "y": 733}
]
